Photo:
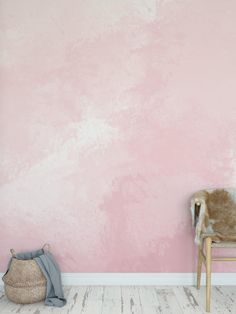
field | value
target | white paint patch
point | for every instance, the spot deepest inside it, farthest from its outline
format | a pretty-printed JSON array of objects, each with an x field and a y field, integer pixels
[
  {"x": 90, "y": 135},
  {"x": 146, "y": 9},
  {"x": 94, "y": 132}
]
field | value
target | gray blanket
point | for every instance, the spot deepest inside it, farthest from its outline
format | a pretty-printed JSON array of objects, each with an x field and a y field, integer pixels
[{"x": 51, "y": 271}]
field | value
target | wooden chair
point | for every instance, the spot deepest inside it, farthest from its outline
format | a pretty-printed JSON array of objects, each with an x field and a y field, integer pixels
[
  {"x": 207, "y": 259},
  {"x": 214, "y": 219}
]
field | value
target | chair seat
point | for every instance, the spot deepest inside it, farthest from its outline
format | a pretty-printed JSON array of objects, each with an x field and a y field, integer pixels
[{"x": 223, "y": 244}]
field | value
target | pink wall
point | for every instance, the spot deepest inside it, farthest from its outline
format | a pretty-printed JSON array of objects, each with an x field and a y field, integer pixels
[{"x": 112, "y": 114}]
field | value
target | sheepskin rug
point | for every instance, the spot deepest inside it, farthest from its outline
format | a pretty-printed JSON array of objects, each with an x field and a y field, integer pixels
[{"x": 214, "y": 214}]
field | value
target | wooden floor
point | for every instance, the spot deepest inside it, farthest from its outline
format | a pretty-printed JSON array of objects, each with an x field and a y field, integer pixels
[{"x": 132, "y": 300}]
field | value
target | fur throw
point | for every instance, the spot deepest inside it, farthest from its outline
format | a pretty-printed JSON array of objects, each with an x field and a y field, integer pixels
[{"x": 214, "y": 214}]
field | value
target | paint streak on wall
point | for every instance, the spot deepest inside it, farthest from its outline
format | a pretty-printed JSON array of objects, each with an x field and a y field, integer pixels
[{"x": 112, "y": 114}]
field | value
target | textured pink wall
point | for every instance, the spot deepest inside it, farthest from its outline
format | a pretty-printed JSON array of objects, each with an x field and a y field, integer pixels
[{"x": 112, "y": 114}]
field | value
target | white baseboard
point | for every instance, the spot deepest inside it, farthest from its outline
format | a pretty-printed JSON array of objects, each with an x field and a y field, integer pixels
[{"x": 143, "y": 279}]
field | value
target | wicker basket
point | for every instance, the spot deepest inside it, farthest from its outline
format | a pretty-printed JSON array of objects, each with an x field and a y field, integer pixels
[{"x": 24, "y": 282}]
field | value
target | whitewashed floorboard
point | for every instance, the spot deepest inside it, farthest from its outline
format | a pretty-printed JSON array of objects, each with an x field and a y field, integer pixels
[
  {"x": 131, "y": 303},
  {"x": 5, "y": 305},
  {"x": 112, "y": 302},
  {"x": 219, "y": 297},
  {"x": 230, "y": 293},
  {"x": 132, "y": 300},
  {"x": 1, "y": 292},
  {"x": 217, "y": 305},
  {"x": 93, "y": 300},
  {"x": 168, "y": 301},
  {"x": 77, "y": 301},
  {"x": 187, "y": 300},
  {"x": 149, "y": 301},
  {"x": 200, "y": 296}
]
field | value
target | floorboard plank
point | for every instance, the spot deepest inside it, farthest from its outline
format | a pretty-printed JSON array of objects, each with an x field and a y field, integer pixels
[
  {"x": 216, "y": 304},
  {"x": 149, "y": 301},
  {"x": 199, "y": 295},
  {"x": 168, "y": 301},
  {"x": 230, "y": 293},
  {"x": 112, "y": 300},
  {"x": 5, "y": 304},
  {"x": 187, "y": 301},
  {"x": 130, "y": 300},
  {"x": 93, "y": 300},
  {"x": 219, "y": 298},
  {"x": 75, "y": 302}
]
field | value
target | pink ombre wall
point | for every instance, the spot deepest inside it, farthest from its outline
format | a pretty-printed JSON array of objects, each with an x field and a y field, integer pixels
[{"x": 112, "y": 113}]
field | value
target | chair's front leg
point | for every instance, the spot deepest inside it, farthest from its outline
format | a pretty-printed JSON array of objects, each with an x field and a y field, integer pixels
[
  {"x": 199, "y": 266},
  {"x": 208, "y": 273}
]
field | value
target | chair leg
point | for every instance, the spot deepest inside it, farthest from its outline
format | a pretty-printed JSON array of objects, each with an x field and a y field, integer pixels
[
  {"x": 199, "y": 266},
  {"x": 208, "y": 273}
]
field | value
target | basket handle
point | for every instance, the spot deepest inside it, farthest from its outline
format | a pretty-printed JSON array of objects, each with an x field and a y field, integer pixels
[
  {"x": 13, "y": 252},
  {"x": 46, "y": 247}
]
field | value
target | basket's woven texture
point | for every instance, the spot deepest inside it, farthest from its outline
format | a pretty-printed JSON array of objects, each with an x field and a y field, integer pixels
[
  {"x": 25, "y": 282},
  {"x": 26, "y": 295}
]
